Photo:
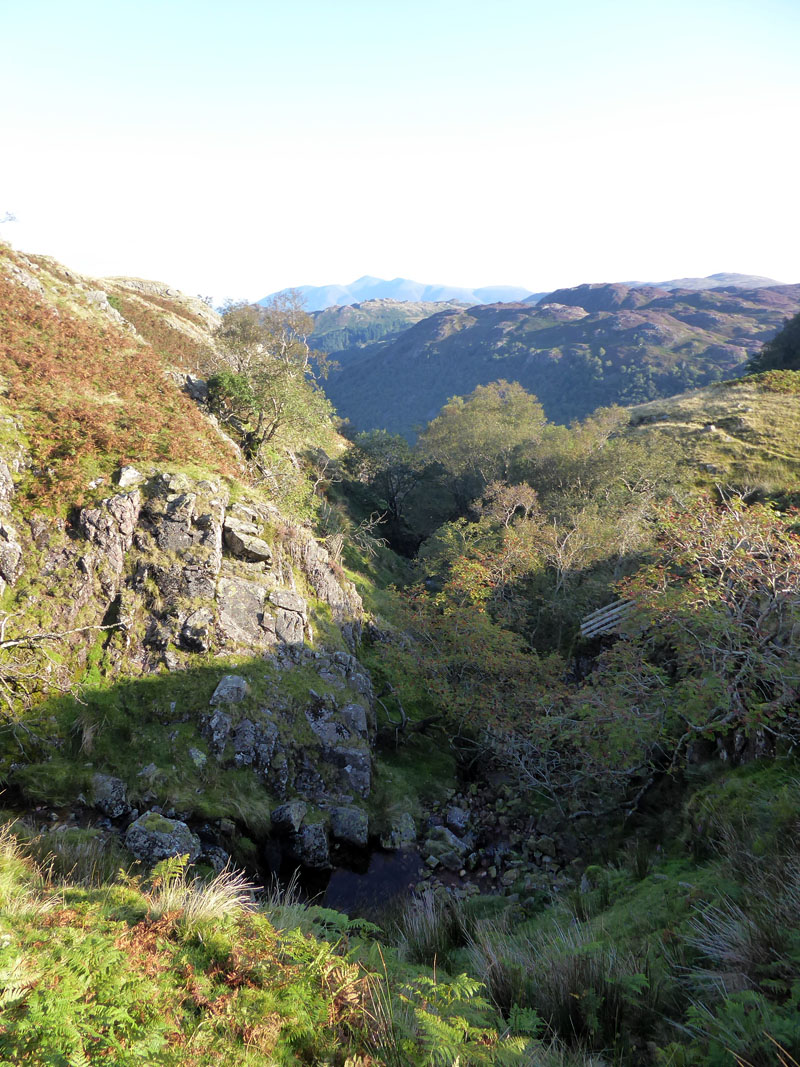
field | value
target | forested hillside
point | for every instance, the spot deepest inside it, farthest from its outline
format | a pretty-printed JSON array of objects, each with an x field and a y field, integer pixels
[
  {"x": 341, "y": 750},
  {"x": 576, "y": 349}
]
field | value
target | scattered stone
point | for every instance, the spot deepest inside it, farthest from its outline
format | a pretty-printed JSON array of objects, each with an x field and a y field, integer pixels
[
  {"x": 457, "y": 819},
  {"x": 198, "y": 758}
]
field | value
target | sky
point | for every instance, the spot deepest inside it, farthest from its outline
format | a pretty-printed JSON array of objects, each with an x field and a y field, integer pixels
[{"x": 235, "y": 149}]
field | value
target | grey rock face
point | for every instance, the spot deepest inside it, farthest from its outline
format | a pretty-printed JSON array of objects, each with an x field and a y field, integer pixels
[
  {"x": 111, "y": 525},
  {"x": 217, "y": 730},
  {"x": 10, "y": 554},
  {"x": 291, "y": 617},
  {"x": 231, "y": 689},
  {"x": 153, "y": 838},
  {"x": 402, "y": 833},
  {"x": 316, "y": 564},
  {"x": 110, "y": 796},
  {"x": 355, "y": 768},
  {"x": 254, "y": 744},
  {"x": 355, "y": 718},
  {"x": 241, "y": 612},
  {"x": 350, "y": 825}
]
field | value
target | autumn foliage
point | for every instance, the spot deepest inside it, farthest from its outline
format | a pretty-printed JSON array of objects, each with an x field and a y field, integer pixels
[{"x": 90, "y": 398}]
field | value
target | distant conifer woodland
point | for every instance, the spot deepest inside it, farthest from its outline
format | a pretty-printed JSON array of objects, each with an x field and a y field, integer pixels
[{"x": 460, "y": 733}]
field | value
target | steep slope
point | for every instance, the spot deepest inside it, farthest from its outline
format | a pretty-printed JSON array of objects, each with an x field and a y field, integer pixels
[
  {"x": 176, "y": 653},
  {"x": 576, "y": 350}
]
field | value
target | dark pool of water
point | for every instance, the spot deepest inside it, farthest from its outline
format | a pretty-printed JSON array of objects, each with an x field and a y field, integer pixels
[
  {"x": 362, "y": 883},
  {"x": 388, "y": 875}
]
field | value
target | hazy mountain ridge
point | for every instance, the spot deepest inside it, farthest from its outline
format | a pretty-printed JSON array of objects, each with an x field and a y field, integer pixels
[
  {"x": 630, "y": 345},
  {"x": 320, "y": 297}
]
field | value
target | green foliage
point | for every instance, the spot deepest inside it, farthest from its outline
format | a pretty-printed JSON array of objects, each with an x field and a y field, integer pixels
[{"x": 474, "y": 437}]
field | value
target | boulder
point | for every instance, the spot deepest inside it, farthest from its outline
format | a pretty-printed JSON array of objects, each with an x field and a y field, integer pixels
[
  {"x": 288, "y": 818},
  {"x": 128, "y": 476},
  {"x": 242, "y": 541},
  {"x": 350, "y": 825},
  {"x": 310, "y": 846},
  {"x": 109, "y": 795},
  {"x": 232, "y": 689},
  {"x": 457, "y": 819},
  {"x": 401, "y": 832},
  {"x": 153, "y": 837},
  {"x": 196, "y": 631},
  {"x": 241, "y": 612}
]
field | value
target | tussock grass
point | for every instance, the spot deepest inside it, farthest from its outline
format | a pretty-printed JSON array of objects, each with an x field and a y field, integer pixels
[{"x": 175, "y": 890}]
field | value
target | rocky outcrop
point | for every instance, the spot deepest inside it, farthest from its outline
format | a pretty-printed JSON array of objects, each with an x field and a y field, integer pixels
[{"x": 110, "y": 528}]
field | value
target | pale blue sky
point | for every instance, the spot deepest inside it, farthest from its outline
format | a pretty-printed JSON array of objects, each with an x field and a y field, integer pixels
[{"x": 235, "y": 149}]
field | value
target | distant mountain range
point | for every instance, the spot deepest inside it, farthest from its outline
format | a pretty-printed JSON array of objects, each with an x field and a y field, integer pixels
[
  {"x": 319, "y": 297},
  {"x": 576, "y": 349}
]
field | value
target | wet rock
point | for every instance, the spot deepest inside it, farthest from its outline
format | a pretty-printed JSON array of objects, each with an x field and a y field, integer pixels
[
  {"x": 401, "y": 833},
  {"x": 153, "y": 837},
  {"x": 288, "y": 818},
  {"x": 110, "y": 796},
  {"x": 232, "y": 689},
  {"x": 350, "y": 825}
]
